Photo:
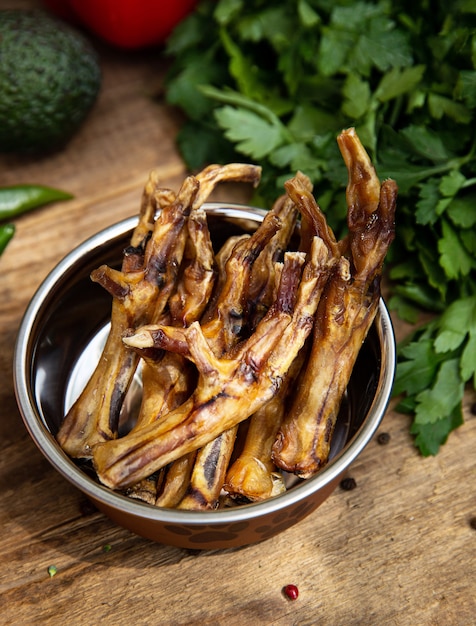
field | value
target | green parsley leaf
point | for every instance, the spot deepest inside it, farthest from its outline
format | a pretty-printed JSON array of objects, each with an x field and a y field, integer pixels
[
  {"x": 307, "y": 15},
  {"x": 454, "y": 258},
  {"x": 462, "y": 211},
  {"x": 418, "y": 369},
  {"x": 357, "y": 96},
  {"x": 254, "y": 136},
  {"x": 426, "y": 143},
  {"x": 399, "y": 81},
  {"x": 440, "y": 106},
  {"x": 430, "y": 436},
  {"x": 440, "y": 400},
  {"x": 451, "y": 183},
  {"x": 427, "y": 202},
  {"x": 457, "y": 320}
]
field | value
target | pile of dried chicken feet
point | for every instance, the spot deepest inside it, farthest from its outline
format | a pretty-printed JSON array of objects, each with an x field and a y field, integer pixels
[{"x": 255, "y": 334}]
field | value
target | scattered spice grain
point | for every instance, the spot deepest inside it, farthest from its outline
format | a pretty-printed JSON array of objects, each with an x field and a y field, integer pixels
[
  {"x": 383, "y": 439},
  {"x": 347, "y": 484},
  {"x": 291, "y": 592}
]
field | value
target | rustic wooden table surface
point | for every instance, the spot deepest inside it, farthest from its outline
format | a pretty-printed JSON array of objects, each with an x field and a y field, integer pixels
[{"x": 399, "y": 549}]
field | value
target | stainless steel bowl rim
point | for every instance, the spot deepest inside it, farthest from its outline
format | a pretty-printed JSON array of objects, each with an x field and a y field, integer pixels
[{"x": 47, "y": 444}]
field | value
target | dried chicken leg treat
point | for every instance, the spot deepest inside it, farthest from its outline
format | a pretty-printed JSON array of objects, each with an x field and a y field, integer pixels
[
  {"x": 344, "y": 316},
  {"x": 167, "y": 378},
  {"x": 253, "y": 476},
  {"x": 140, "y": 296},
  {"x": 223, "y": 330}
]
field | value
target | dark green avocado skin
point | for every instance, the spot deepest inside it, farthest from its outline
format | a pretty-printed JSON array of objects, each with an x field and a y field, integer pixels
[{"x": 49, "y": 79}]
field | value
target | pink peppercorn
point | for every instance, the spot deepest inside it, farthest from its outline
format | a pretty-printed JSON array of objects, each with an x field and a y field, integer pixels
[{"x": 291, "y": 592}]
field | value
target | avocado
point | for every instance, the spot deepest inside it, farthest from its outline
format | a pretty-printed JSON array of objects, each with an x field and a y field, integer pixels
[{"x": 49, "y": 79}]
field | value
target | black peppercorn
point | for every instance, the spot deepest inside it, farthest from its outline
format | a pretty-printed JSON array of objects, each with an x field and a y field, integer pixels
[
  {"x": 347, "y": 484},
  {"x": 383, "y": 438}
]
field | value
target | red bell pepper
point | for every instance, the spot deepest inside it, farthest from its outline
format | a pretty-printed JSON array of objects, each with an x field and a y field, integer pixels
[{"x": 125, "y": 23}]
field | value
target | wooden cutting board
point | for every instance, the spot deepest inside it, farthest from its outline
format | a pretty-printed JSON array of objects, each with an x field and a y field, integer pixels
[{"x": 398, "y": 549}]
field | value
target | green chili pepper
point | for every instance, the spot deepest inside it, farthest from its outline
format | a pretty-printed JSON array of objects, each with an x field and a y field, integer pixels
[
  {"x": 18, "y": 199},
  {"x": 6, "y": 233}
]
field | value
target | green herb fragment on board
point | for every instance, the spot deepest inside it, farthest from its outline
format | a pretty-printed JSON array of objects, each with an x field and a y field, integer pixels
[
  {"x": 52, "y": 570},
  {"x": 274, "y": 83}
]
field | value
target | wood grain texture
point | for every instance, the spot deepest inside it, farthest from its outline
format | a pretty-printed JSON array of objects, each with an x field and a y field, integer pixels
[{"x": 399, "y": 549}]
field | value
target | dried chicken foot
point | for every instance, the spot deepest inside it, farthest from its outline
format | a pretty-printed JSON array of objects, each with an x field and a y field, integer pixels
[
  {"x": 313, "y": 220},
  {"x": 208, "y": 473},
  {"x": 263, "y": 280},
  {"x": 194, "y": 288},
  {"x": 231, "y": 172},
  {"x": 343, "y": 318},
  {"x": 371, "y": 210},
  {"x": 303, "y": 441},
  {"x": 160, "y": 261},
  {"x": 225, "y": 322},
  {"x": 229, "y": 390},
  {"x": 167, "y": 381},
  {"x": 120, "y": 361},
  {"x": 362, "y": 195},
  {"x": 222, "y": 332},
  {"x": 154, "y": 198},
  {"x": 176, "y": 479},
  {"x": 253, "y": 476},
  {"x": 197, "y": 277},
  {"x": 139, "y": 297},
  {"x": 168, "y": 378},
  {"x": 221, "y": 259}
]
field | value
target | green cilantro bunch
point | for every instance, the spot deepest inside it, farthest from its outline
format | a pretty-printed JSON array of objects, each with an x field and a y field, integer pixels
[{"x": 274, "y": 83}]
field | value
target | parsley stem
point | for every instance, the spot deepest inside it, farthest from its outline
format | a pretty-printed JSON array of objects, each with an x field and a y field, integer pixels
[
  {"x": 395, "y": 112},
  {"x": 469, "y": 183},
  {"x": 236, "y": 99},
  {"x": 448, "y": 166}
]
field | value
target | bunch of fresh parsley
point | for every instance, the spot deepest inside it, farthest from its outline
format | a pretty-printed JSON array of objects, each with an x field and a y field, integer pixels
[{"x": 274, "y": 82}]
